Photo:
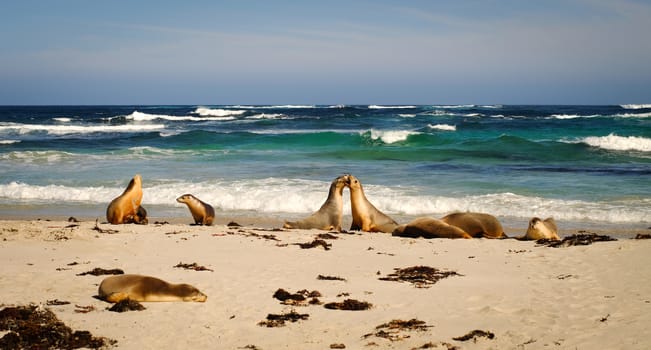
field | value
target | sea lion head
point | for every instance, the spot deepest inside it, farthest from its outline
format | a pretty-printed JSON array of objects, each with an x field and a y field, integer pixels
[
  {"x": 185, "y": 198},
  {"x": 352, "y": 182},
  {"x": 341, "y": 181},
  {"x": 537, "y": 229},
  {"x": 191, "y": 293}
]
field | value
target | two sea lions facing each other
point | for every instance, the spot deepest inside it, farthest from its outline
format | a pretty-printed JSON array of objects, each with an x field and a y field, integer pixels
[
  {"x": 202, "y": 213},
  {"x": 126, "y": 209},
  {"x": 329, "y": 216},
  {"x": 146, "y": 288},
  {"x": 541, "y": 229}
]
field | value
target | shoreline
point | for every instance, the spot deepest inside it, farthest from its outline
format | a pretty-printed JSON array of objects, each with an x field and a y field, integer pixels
[{"x": 528, "y": 296}]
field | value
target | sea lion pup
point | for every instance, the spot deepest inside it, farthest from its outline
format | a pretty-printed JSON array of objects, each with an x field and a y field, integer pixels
[
  {"x": 146, "y": 288},
  {"x": 365, "y": 216},
  {"x": 539, "y": 229},
  {"x": 429, "y": 228},
  {"x": 329, "y": 216},
  {"x": 203, "y": 213},
  {"x": 126, "y": 208},
  {"x": 476, "y": 224}
]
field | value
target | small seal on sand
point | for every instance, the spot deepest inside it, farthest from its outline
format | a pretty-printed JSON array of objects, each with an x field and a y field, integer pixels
[
  {"x": 365, "y": 216},
  {"x": 539, "y": 229},
  {"x": 146, "y": 288},
  {"x": 203, "y": 213},
  {"x": 428, "y": 227},
  {"x": 476, "y": 224},
  {"x": 330, "y": 215},
  {"x": 126, "y": 208}
]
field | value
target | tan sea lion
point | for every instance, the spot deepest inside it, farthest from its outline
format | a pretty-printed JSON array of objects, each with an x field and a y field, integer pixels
[
  {"x": 126, "y": 208},
  {"x": 365, "y": 216},
  {"x": 539, "y": 229},
  {"x": 203, "y": 213},
  {"x": 146, "y": 288},
  {"x": 476, "y": 224},
  {"x": 329, "y": 216},
  {"x": 428, "y": 227}
]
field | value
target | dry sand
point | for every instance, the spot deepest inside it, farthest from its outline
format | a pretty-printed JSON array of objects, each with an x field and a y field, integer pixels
[{"x": 528, "y": 296}]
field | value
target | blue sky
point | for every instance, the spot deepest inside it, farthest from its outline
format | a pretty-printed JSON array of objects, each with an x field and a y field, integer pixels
[{"x": 325, "y": 52}]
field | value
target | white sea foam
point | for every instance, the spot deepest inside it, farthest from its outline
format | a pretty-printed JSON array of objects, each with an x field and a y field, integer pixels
[
  {"x": 634, "y": 115},
  {"x": 276, "y": 107},
  {"x": 8, "y": 142},
  {"x": 454, "y": 106},
  {"x": 407, "y": 115},
  {"x": 636, "y": 106},
  {"x": 62, "y": 119},
  {"x": 444, "y": 127},
  {"x": 619, "y": 143},
  {"x": 301, "y": 197},
  {"x": 140, "y": 117},
  {"x": 269, "y": 116},
  {"x": 79, "y": 129},
  {"x": 390, "y": 107},
  {"x": 203, "y": 111},
  {"x": 391, "y": 136}
]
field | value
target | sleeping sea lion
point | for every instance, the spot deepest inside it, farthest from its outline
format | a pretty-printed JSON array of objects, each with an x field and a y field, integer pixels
[
  {"x": 330, "y": 215},
  {"x": 476, "y": 224},
  {"x": 428, "y": 227},
  {"x": 146, "y": 288},
  {"x": 365, "y": 216},
  {"x": 203, "y": 213},
  {"x": 126, "y": 208},
  {"x": 539, "y": 229}
]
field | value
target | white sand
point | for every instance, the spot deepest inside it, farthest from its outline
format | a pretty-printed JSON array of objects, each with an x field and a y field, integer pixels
[{"x": 530, "y": 297}]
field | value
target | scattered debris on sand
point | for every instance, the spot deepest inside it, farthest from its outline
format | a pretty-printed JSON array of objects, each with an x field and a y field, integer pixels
[
  {"x": 643, "y": 236},
  {"x": 349, "y": 305},
  {"x": 193, "y": 266},
  {"x": 419, "y": 276},
  {"x": 101, "y": 230},
  {"x": 330, "y": 278},
  {"x": 315, "y": 243},
  {"x": 100, "y": 271},
  {"x": 126, "y": 305},
  {"x": 392, "y": 330},
  {"x": 326, "y": 236},
  {"x": 274, "y": 320},
  {"x": 30, "y": 327},
  {"x": 299, "y": 298},
  {"x": 583, "y": 238},
  {"x": 474, "y": 335}
]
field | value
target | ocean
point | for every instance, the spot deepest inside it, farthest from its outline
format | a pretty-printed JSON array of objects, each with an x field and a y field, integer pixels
[{"x": 583, "y": 165}]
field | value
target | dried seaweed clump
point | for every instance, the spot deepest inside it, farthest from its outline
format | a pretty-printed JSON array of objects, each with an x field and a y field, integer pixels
[
  {"x": 330, "y": 278},
  {"x": 643, "y": 236},
  {"x": 100, "y": 271},
  {"x": 193, "y": 266},
  {"x": 127, "y": 305},
  {"x": 474, "y": 335},
  {"x": 32, "y": 328},
  {"x": 419, "y": 276},
  {"x": 349, "y": 305},
  {"x": 391, "y": 330},
  {"x": 315, "y": 243},
  {"x": 274, "y": 320},
  {"x": 579, "y": 239}
]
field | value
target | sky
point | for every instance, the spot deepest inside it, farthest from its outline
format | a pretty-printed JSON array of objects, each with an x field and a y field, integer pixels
[{"x": 325, "y": 52}]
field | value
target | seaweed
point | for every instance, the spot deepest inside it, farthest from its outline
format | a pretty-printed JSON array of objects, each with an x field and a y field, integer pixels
[
  {"x": 330, "y": 278},
  {"x": 474, "y": 335},
  {"x": 391, "y": 330},
  {"x": 101, "y": 230},
  {"x": 126, "y": 305},
  {"x": 315, "y": 243},
  {"x": 583, "y": 238},
  {"x": 299, "y": 298},
  {"x": 419, "y": 276},
  {"x": 100, "y": 271},
  {"x": 193, "y": 266},
  {"x": 30, "y": 327},
  {"x": 643, "y": 236},
  {"x": 349, "y": 305},
  {"x": 326, "y": 236},
  {"x": 274, "y": 320}
]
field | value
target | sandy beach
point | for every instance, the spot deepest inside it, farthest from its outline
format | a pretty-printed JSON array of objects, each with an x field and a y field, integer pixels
[{"x": 518, "y": 294}]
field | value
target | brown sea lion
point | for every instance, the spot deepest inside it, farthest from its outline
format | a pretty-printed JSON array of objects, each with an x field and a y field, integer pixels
[
  {"x": 202, "y": 213},
  {"x": 428, "y": 227},
  {"x": 329, "y": 216},
  {"x": 126, "y": 208},
  {"x": 365, "y": 216},
  {"x": 539, "y": 229},
  {"x": 476, "y": 224},
  {"x": 146, "y": 288}
]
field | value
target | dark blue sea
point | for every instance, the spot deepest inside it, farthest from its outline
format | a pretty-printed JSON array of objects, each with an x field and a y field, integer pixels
[{"x": 578, "y": 164}]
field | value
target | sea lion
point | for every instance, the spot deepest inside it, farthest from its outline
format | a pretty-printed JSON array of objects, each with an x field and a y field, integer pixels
[
  {"x": 126, "y": 207},
  {"x": 476, "y": 224},
  {"x": 539, "y": 229},
  {"x": 146, "y": 288},
  {"x": 365, "y": 216},
  {"x": 203, "y": 213},
  {"x": 329, "y": 216},
  {"x": 428, "y": 227}
]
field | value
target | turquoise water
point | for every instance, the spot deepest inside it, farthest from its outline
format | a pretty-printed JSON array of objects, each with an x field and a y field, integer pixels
[{"x": 576, "y": 163}]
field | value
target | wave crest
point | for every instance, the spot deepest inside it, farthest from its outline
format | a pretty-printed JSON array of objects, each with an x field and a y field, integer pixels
[{"x": 619, "y": 143}]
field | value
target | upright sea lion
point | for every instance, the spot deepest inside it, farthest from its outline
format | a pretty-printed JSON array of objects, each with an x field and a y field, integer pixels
[
  {"x": 146, "y": 288},
  {"x": 329, "y": 216},
  {"x": 203, "y": 213},
  {"x": 429, "y": 228},
  {"x": 476, "y": 224},
  {"x": 539, "y": 229},
  {"x": 126, "y": 208},
  {"x": 365, "y": 216}
]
